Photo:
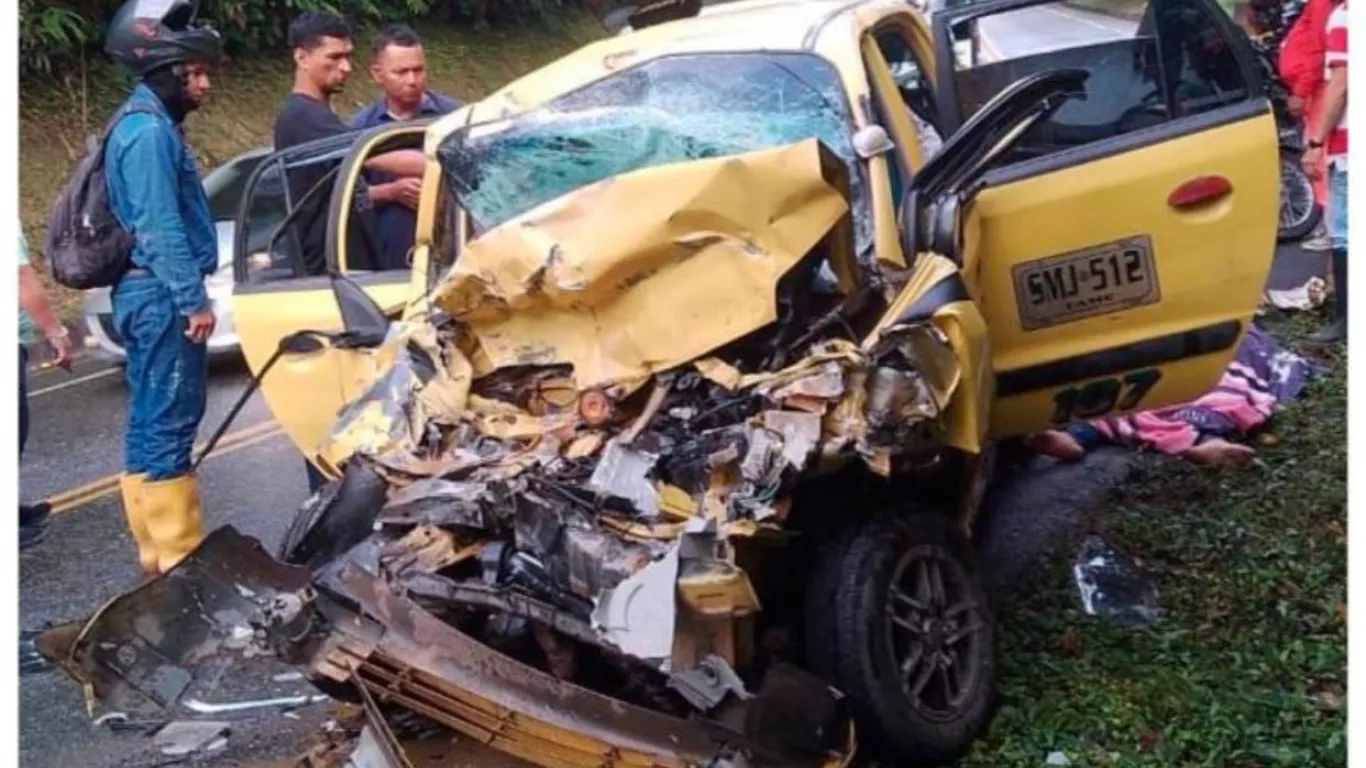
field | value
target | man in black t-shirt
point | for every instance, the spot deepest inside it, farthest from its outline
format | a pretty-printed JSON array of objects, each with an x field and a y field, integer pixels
[{"x": 322, "y": 47}]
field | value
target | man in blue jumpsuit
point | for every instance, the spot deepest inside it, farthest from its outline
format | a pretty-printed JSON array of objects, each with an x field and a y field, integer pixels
[{"x": 160, "y": 306}]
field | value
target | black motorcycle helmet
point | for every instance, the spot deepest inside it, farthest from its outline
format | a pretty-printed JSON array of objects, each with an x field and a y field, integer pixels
[{"x": 149, "y": 35}]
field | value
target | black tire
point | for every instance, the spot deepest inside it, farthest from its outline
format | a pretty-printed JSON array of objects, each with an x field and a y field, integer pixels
[
  {"x": 1295, "y": 181},
  {"x": 853, "y": 640}
]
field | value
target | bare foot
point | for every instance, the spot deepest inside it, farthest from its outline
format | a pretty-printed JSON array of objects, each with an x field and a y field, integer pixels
[
  {"x": 1057, "y": 444},
  {"x": 1220, "y": 453}
]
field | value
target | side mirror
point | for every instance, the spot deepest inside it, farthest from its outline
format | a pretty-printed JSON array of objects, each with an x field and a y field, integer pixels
[
  {"x": 871, "y": 141},
  {"x": 364, "y": 323}
]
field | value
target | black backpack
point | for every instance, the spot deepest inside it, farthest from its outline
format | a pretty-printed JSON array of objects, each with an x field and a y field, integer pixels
[{"x": 86, "y": 247}]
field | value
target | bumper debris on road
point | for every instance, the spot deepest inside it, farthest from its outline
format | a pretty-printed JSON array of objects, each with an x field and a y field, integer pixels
[{"x": 558, "y": 512}]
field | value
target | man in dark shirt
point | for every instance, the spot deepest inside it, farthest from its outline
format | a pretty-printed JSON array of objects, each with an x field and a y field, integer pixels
[
  {"x": 399, "y": 68},
  {"x": 322, "y": 49}
]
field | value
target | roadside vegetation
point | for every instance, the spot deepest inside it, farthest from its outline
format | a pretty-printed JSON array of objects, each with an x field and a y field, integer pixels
[{"x": 1247, "y": 667}]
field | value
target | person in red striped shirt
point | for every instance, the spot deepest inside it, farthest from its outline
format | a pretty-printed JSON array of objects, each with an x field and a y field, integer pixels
[{"x": 1329, "y": 141}]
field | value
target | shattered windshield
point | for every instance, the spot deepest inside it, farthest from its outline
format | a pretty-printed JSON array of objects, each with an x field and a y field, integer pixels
[{"x": 668, "y": 110}]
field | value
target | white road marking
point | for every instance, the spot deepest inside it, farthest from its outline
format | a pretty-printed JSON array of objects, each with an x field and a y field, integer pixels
[{"x": 75, "y": 381}]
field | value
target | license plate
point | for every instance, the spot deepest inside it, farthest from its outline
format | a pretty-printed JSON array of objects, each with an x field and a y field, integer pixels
[{"x": 1092, "y": 281}]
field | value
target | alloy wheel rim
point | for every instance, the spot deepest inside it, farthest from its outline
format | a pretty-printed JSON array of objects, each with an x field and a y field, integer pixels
[{"x": 935, "y": 632}]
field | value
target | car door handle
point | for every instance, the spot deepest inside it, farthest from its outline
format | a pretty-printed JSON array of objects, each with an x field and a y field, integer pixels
[{"x": 1201, "y": 190}]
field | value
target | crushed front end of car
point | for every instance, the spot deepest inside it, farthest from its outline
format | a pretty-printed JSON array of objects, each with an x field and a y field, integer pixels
[{"x": 585, "y": 501}]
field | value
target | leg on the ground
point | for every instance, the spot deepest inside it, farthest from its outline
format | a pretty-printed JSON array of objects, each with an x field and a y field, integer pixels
[
  {"x": 168, "y": 390},
  {"x": 1070, "y": 444},
  {"x": 1057, "y": 444},
  {"x": 316, "y": 479},
  {"x": 32, "y": 517},
  {"x": 1219, "y": 452},
  {"x": 1337, "y": 227}
]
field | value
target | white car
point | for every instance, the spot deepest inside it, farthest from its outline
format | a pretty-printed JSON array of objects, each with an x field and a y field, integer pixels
[{"x": 223, "y": 186}]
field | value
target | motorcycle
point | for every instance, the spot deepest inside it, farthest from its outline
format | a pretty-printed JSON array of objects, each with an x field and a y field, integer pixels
[{"x": 1299, "y": 212}]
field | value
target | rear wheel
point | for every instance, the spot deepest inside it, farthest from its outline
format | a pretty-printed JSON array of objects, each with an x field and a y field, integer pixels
[
  {"x": 1299, "y": 214},
  {"x": 908, "y": 636}
]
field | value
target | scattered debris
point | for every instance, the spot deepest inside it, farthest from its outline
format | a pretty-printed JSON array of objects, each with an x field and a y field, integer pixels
[
  {"x": 707, "y": 684},
  {"x": 1112, "y": 586},
  {"x": 31, "y": 661},
  {"x": 1304, "y": 298},
  {"x": 187, "y": 737},
  {"x": 120, "y": 722},
  {"x": 281, "y": 703}
]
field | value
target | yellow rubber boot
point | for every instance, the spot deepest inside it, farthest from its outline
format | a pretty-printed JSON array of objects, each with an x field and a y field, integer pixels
[
  {"x": 130, "y": 487},
  {"x": 172, "y": 518}
]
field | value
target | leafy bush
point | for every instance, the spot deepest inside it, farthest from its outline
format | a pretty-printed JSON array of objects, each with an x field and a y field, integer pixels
[
  {"x": 53, "y": 36},
  {"x": 50, "y": 35}
]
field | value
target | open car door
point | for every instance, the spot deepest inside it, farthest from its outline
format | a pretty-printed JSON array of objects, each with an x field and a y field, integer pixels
[
  {"x": 1118, "y": 248},
  {"x": 304, "y": 217}
]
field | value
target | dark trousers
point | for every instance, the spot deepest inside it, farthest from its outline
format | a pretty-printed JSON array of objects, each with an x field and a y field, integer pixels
[
  {"x": 23, "y": 398},
  {"x": 316, "y": 479}
]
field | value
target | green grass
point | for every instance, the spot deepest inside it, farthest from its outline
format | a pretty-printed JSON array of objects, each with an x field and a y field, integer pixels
[
  {"x": 54, "y": 120},
  {"x": 1248, "y": 666}
]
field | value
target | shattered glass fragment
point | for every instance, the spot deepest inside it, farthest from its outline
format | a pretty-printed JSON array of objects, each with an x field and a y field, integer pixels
[{"x": 1112, "y": 585}]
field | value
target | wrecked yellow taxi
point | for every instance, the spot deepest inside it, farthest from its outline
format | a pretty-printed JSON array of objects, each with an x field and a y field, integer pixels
[{"x": 668, "y": 448}]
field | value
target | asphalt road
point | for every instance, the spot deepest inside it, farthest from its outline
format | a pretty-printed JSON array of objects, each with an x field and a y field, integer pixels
[
  {"x": 1043, "y": 28},
  {"x": 256, "y": 484}
]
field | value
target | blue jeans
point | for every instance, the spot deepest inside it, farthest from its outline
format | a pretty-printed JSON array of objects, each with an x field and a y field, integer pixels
[
  {"x": 167, "y": 378},
  {"x": 1337, "y": 206}
]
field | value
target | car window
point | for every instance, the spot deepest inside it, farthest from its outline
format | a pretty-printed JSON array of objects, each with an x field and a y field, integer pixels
[
  {"x": 1150, "y": 63},
  {"x": 907, "y": 72},
  {"x": 446, "y": 238},
  {"x": 225, "y": 185},
  {"x": 667, "y": 110},
  {"x": 275, "y": 196}
]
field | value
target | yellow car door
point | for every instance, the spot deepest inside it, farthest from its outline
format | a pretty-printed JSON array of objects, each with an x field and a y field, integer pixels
[
  {"x": 277, "y": 293},
  {"x": 1119, "y": 247}
]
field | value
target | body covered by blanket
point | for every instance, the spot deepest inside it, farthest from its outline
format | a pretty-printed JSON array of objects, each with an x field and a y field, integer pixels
[{"x": 1260, "y": 378}]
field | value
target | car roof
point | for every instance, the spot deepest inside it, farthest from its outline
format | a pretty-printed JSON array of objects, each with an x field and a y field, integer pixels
[{"x": 826, "y": 27}]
